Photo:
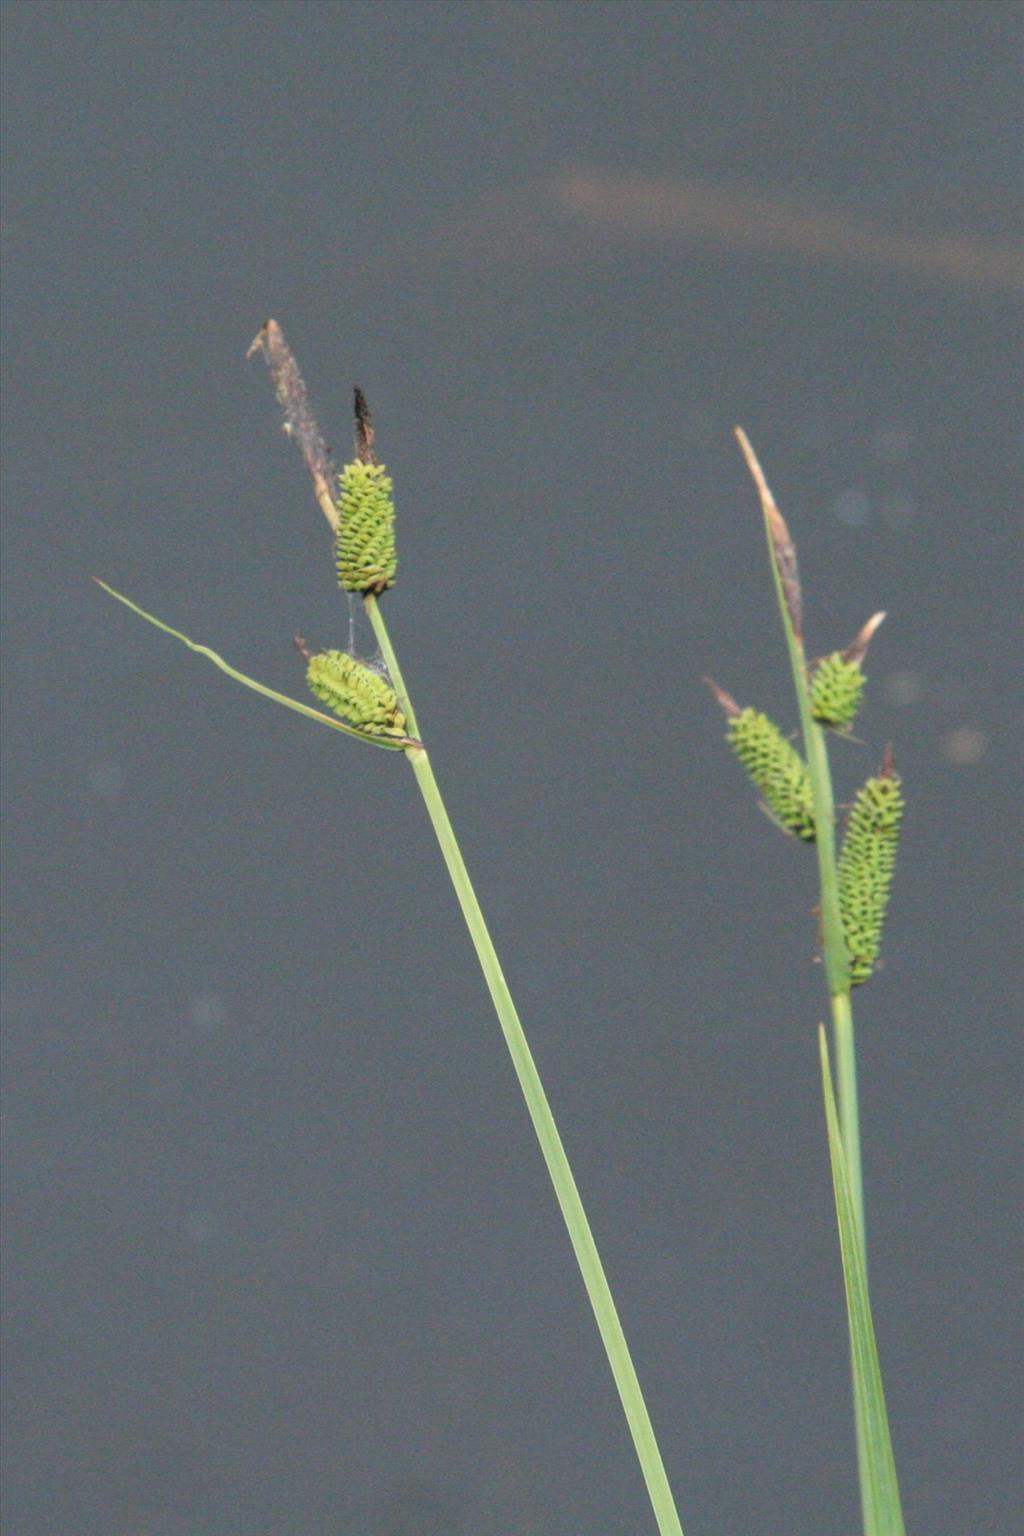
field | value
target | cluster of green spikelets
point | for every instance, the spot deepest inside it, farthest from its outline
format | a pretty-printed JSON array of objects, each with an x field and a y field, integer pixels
[
  {"x": 364, "y": 546},
  {"x": 356, "y": 693},
  {"x": 776, "y": 769},
  {"x": 866, "y": 864},
  {"x": 779, "y": 773},
  {"x": 365, "y": 558},
  {"x": 837, "y": 684}
]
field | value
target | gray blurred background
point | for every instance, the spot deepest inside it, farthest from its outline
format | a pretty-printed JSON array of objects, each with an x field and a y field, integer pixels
[{"x": 281, "y": 1256}]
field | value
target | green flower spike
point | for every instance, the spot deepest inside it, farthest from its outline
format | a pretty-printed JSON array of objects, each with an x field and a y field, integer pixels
[
  {"x": 354, "y": 692},
  {"x": 778, "y": 771},
  {"x": 866, "y": 864},
  {"x": 837, "y": 681},
  {"x": 365, "y": 540}
]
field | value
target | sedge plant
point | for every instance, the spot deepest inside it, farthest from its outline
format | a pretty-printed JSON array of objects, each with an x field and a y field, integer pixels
[
  {"x": 370, "y": 701},
  {"x": 796, "y": 791}
]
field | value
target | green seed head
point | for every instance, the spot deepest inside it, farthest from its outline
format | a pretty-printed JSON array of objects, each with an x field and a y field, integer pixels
[
  {"x": 365, "y": 541},
  {"x": 836, "y": 688},
  {"x": 866, "y": 864},
  {"x": 777, "y": 770},
  {"x": 357, "y": 694},
  {"x": 838, "y": 680}
]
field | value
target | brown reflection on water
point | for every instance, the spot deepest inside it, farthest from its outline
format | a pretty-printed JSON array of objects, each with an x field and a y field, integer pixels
[{"x": 553, "y": 217}]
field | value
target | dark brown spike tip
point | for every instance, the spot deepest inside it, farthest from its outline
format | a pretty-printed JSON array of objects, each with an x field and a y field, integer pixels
[
  {"x": 726, "y": 700},
  {"x": 364, "y": 429},
  {"x": 300, "y": 645},
  {"x": 888, "y": 769},
  {"x": 783, "y": 548},
  {"x": 858, "y": 647}
]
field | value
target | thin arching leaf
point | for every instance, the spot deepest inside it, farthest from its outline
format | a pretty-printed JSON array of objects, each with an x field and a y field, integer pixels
[{"x": 390, "y": 744}]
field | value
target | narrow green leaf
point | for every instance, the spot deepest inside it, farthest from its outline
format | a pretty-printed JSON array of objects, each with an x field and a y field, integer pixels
[
  {"x": 880, "y": 1495},
  {"x": 390, "y": 744}
]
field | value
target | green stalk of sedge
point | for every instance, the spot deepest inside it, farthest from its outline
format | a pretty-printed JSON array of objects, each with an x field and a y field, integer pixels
[
  {"x": 545, "y": 1128},
  {"x": 837, "y": 964},
  {"x": 879, "y": 1490},
  {"x": 552, "y": 1149}
]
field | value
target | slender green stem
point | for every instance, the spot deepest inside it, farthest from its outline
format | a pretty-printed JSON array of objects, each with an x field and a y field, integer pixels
[
  {"x": 837, "y": 975},
  {"x": 849, "y": 1139},
  {"x": 380, "y": 630},
  {"x": 879, "y": 1489},
  {"x": 569, "y": 1201},
  {"x": 837, "y": 960},
  {"x": 849, "y": 1119},
  {"x": 837, "y": 964}
]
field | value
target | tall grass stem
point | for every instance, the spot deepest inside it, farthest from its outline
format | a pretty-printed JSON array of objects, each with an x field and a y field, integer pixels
[
  {"x": 881, "y": 1507},
  {"x": 837, "y": 960},
  {"x": 875, "y": 1465},
  {"x": 566, "y": 1192}
]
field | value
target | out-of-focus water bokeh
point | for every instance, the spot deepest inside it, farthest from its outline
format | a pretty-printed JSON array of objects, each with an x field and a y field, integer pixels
[{"x": 281, "y": 1257}]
